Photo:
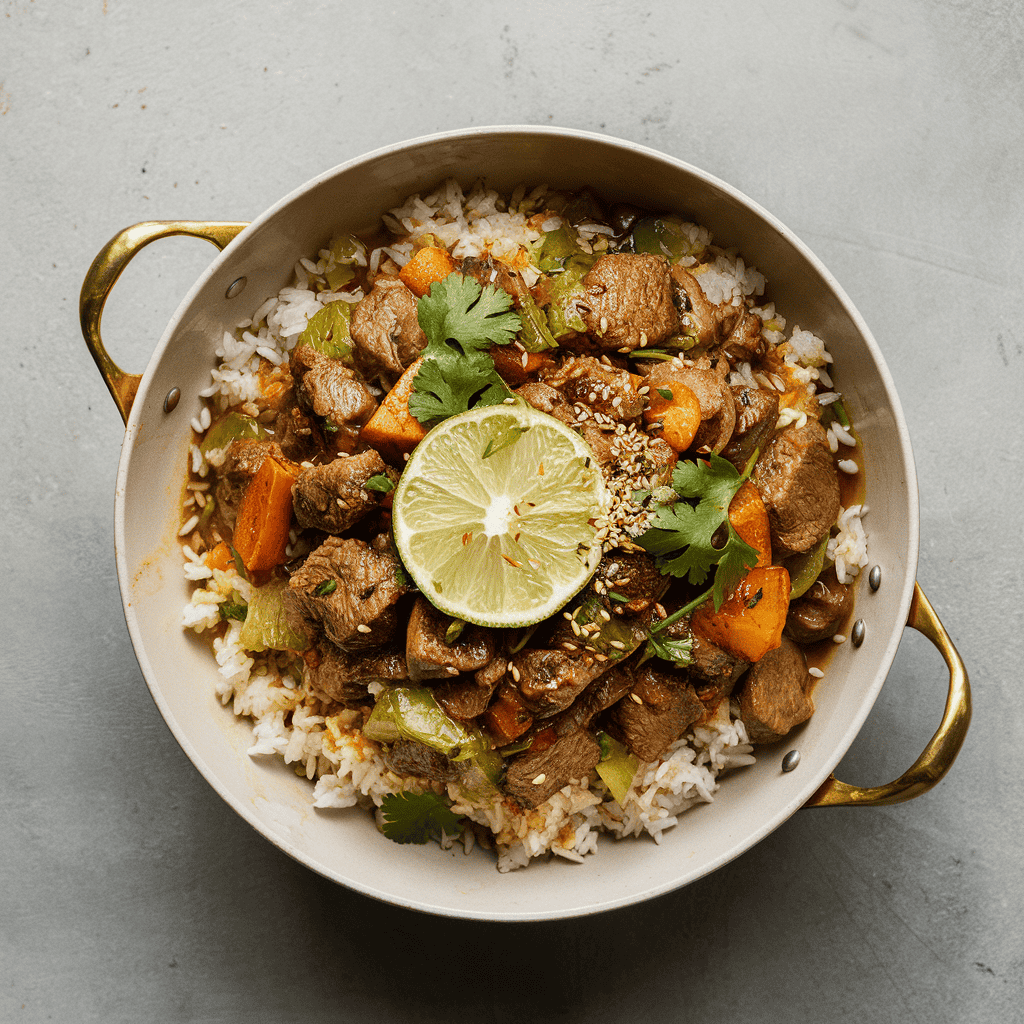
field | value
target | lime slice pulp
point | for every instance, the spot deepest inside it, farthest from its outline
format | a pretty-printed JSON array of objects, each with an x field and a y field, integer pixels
[{"x": 493, "y": 515}]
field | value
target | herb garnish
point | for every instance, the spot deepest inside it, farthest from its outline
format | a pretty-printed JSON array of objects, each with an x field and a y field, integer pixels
[
  {"x": 379, "y": 482},
  {"x": 418, "y": 817},
  {"x": 325, "y": 588},
  {"x": 461, "y": 321},
  {"x": 680, "y": 534}
]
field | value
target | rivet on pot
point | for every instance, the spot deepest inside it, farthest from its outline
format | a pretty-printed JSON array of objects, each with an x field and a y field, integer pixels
[
  {"x": 875, "y": 577},
  {"x": 235, "y": 288},
  {"x": 791, "y": 760},
  {"x": 171, "y": 399},
  {"x": 857, "y": 633}
]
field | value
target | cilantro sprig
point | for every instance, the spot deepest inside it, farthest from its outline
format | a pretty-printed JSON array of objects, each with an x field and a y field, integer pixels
[
  {"x": 418, "y": 817},
  {"x": 461, "y": 321},
  {"x": 680, "y": 534}
]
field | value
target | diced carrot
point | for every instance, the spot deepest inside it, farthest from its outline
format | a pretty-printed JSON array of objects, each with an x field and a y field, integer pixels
[
  {"x": 220, "y": 557},
  {"x": 507, "y": 718},
  {"x": 516, "y": 366},
  {"x": 749, "y": 623},
  {"x": 749, "y": 519},
  {"x": 678, "y": 409},
  {"x": 265, "y": 515},
  {"x": 392, "y": 429},
  {"x": 429, "y": 264}
]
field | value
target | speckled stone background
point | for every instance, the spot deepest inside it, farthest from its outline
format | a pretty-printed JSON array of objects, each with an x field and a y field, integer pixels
[{"x": 888, "y": 136}]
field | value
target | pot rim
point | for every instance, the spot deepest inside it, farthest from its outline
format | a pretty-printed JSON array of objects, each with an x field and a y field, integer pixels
[{"x": 885, "y": 659}]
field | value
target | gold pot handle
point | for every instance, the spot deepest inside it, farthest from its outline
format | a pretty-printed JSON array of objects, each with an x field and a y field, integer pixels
[
  {"x": 105, "y": 271},
  {"x": 943, "y": 747}
]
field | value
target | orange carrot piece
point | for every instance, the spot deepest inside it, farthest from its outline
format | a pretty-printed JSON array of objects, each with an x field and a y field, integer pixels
[
  {"x": 679, "y": 413},
  {"x": 392, "y": 429},
  {"x": 265, "y": 515},
  {"x": 749, "y": 623},
  {"x": 220, "y": 557},
  {"x": 507, "y": 718},
  {"x": 749, "y": 519},
  {"x": 429, "y": 264}
]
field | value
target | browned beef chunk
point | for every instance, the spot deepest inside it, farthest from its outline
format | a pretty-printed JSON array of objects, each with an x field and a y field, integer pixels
[
  {"x": 330, "y": 388},
  {"x": 332, "y": 497},
  {"x": 410, "y": 757},
  {"x": 634, "y": 576},
  {"x": 699, "y": 318},
  {"x": 365, "y": 589},
  {"x": 547, "y": 399},
  {"x": 463, "y": 698},
  {"x": 550, "y": 680},
  {"x": 299, "y": 435},
  {"x": 386, "y": 332},
  {"x": 535, "y": 776},
  {"x": 757, "y": 412},
  {"x": 659, "y": 708},
  {"x": 712, "y": 672},
  {"x": 628, "y": 301},
  {"x": 741, "y": 334},
  {"x": 241, "y": 463},
  {"x": 799, "y": 486},
  {"x": 343, "y": 677},
  {"x": 818, "y": 614},
  {"x": 490, "y": 272},
  {"x": 602, "y": 388},
  {"x": 599, "y": 695},
  {"x": 717, "y": 407},
  {"x": 774, "y": 696},
  {"x": 430, "y": 656},
  {"x": 493, "y": 672}
]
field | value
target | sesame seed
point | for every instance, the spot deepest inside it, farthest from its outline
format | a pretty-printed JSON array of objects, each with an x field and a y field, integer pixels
[
  {"x": 540, "y": 778},
  {"x": 617, "y": 644},
  {"x": 515, "y": 673},
  {"x": 839, "y": 638},
  {"x": 363, "y": 628},
  {"x": 636, "y": 698},
  {"x": 816, "y": 672}
]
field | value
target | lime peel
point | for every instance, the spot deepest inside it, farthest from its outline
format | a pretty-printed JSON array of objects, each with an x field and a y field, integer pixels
[{"x": 493, "y": 515}]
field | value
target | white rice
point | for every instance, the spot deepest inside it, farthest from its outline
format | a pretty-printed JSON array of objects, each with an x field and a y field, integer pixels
[{"x": 346, "y": 768}]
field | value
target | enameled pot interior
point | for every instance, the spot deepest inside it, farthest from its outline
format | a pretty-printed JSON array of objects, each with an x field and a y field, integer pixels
[{"x": 179, "y": 669}]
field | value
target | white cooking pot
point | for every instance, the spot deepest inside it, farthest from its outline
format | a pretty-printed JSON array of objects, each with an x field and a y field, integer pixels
[{"x": 256, "y": 261}]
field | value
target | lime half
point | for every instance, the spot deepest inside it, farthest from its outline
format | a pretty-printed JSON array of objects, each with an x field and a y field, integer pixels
[{"x": 493, "y": 512}]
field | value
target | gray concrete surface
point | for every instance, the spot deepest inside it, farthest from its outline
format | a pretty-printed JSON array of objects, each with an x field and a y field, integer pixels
[{"x": 889, "y": 136}]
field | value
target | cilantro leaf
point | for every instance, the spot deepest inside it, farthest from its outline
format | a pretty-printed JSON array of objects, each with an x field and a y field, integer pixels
[
  {"x": 461, "y": 321},
  {"x": 679, "y": 652},
  {"x": 418, "y": 817},
  {"x": 380, "y": 483},
  {"x": 680, "y": 535}
]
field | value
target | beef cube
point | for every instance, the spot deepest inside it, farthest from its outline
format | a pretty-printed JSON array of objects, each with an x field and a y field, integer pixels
[
  {"x": 343, "y": 677},
  {"x": 547, "y": 399},
  {"x": 598, "y": 696},
  {"x": 757, "y": 412},
  {"x": 774, "y": 697},
  {"x": 332, "y": 497},
  {"x": 550, "y": 680},
  {"x": 430, "y": 656},
  {"x": 386, "y": 331},
  {"x": 330, "y": 389},
  {"x": 659, "y": 708},
  {"x": 608, "y": 390},
  {"x": 495, "y": 274},
  {"x": 346, "y": 591},
  {"x": 412, "y": 758},
  {"x": 535, "y": 776},
  {"x": 463, "y": 698},
  {"x": 819, "y": 613},
  {"x": 634, "y": 576},
  {"x": 800, "y": 487},
  {"x": 699, "y": 318},
  {"x": 743, "y": 340},
  {"x": 628, "y": 301}
]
